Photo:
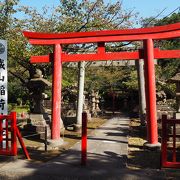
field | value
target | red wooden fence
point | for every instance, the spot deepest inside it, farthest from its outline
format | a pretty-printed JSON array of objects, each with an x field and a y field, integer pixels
[
  {"x": 8, "y": 143},
  {"x": 8, "y": 136},
  {"x": 169, "y": 147}
]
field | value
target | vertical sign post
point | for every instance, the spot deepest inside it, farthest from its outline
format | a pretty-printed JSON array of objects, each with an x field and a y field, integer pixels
[
  {"x": 3, "y": 87},
  {"x": 3, "y": 78}
]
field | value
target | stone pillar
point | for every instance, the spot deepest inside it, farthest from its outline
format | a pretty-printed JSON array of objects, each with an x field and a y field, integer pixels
[
  {"x": 81, "y": 66},
  {"x": 141, "y": 84}
]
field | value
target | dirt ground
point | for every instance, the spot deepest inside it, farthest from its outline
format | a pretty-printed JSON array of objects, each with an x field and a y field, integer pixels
[
  {"x": 138, "y": 157},
  {"x": 36, "y": 147}
]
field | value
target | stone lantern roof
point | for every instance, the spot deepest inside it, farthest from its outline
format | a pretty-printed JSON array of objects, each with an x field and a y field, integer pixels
[
  {"x": 38, "y": 80},
  {"x": 41, "y": 82},
  {"x": 175, "y": 79}
]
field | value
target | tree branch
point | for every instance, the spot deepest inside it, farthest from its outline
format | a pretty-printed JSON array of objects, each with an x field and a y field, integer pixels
[
  {"x": 18, "y": 77},
  {"x": 88, "y": 17}
]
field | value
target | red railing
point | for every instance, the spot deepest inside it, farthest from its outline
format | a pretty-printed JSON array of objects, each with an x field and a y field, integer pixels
[
  {"x": 8, "y": 143},
  {"x": 8, "y": 136},
  {"x": 169, "y": 147}
]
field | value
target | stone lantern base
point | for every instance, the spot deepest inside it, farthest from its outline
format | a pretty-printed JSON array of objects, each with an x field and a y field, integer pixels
[{"x": 36, "y": 125}]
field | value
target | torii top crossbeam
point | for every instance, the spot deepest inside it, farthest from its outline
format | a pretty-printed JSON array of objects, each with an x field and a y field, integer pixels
[
  {"x": 148, "y": 53},
  {"x": 158, "y": 32},
  {"x": 100, "y": 37}
]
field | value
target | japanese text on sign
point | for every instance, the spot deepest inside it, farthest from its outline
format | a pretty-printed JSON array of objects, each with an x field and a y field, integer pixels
[{"x": 3, "y": 77}]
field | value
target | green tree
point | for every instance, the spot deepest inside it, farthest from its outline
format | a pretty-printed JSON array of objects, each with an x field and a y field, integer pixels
[
  {"x": 6, "y": 11},
  {"x": 169, "y": 66},
  {"x": 69, "y": 16},
  {"x": 166, "y": 67}
]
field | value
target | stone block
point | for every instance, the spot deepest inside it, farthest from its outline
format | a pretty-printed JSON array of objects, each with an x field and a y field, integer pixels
[{"x": 177, "y": 115}]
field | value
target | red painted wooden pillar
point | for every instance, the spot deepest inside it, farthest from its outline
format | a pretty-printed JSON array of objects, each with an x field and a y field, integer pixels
[
  {"x": 56, "y": 92},
  {"x": 13, "y": 133},
  {"x": 84, "y": 139},
  {"x": 150, "y": 86}
]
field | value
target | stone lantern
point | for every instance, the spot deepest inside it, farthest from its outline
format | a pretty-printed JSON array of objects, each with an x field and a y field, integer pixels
[
  {"x": 38, "y": 118},
  {"x": 97, "y": 97},
  {"x": 37, "y": 87},
  {"x": 176, "y": 80},
  {"x": 95, "y": 103}
]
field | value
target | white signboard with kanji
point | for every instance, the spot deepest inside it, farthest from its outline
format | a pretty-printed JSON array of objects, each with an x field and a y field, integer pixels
[{"x": 3, "y": 78}]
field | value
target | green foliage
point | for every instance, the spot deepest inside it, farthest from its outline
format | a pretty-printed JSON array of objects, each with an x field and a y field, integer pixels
[
  {"x": 174, "y": 18},
  {"x": 88, "y": 15},
  {"x": 69, "y": 77},
  {"x": 109, "y": 79},
  {"x": 69, "y": 16},
  {"x": 6, "y": 10},
  {"x": 131, "y": 82},
  {"x": 167, "y": 68},
  {"x": 102, "y": 77},
  {"x": 16, "y": 92}
]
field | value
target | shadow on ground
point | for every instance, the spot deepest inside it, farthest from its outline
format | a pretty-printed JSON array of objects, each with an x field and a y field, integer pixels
[
  {"x": 144, "y": 159},
  {"x": 138, "y": 157},
  {"x": 99, "y": 167},
  {"x": 107, "y": 165}
]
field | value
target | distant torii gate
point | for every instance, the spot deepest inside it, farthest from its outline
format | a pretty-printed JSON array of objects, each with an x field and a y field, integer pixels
[{"x": 148, "y": 53}]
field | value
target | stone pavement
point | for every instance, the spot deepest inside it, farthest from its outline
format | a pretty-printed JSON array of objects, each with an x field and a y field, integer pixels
[{"x": 107, "y": 157}]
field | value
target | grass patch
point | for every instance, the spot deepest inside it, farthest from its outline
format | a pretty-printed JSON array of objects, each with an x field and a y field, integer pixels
[{"x": 20, "y": 109}]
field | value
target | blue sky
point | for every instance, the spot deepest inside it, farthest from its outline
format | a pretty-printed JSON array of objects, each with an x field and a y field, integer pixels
[{"x": 146, "y": 8}]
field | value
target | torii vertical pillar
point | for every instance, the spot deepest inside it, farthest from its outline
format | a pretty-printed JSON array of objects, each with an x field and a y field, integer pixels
[
  {"x": 150, "y": 86},
  {"x": 56, "y": 92}
]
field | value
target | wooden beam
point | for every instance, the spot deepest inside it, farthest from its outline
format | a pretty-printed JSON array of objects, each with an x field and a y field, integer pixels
[
  {"x": 115, "y": 38},
  {"x": 104, "y": 56},
  {"x": 40, "y": 59},
  {"x": 70, "y": 35}
]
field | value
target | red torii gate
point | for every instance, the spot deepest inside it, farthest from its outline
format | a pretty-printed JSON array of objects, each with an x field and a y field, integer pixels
[{"x": 148, "y": 53}]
